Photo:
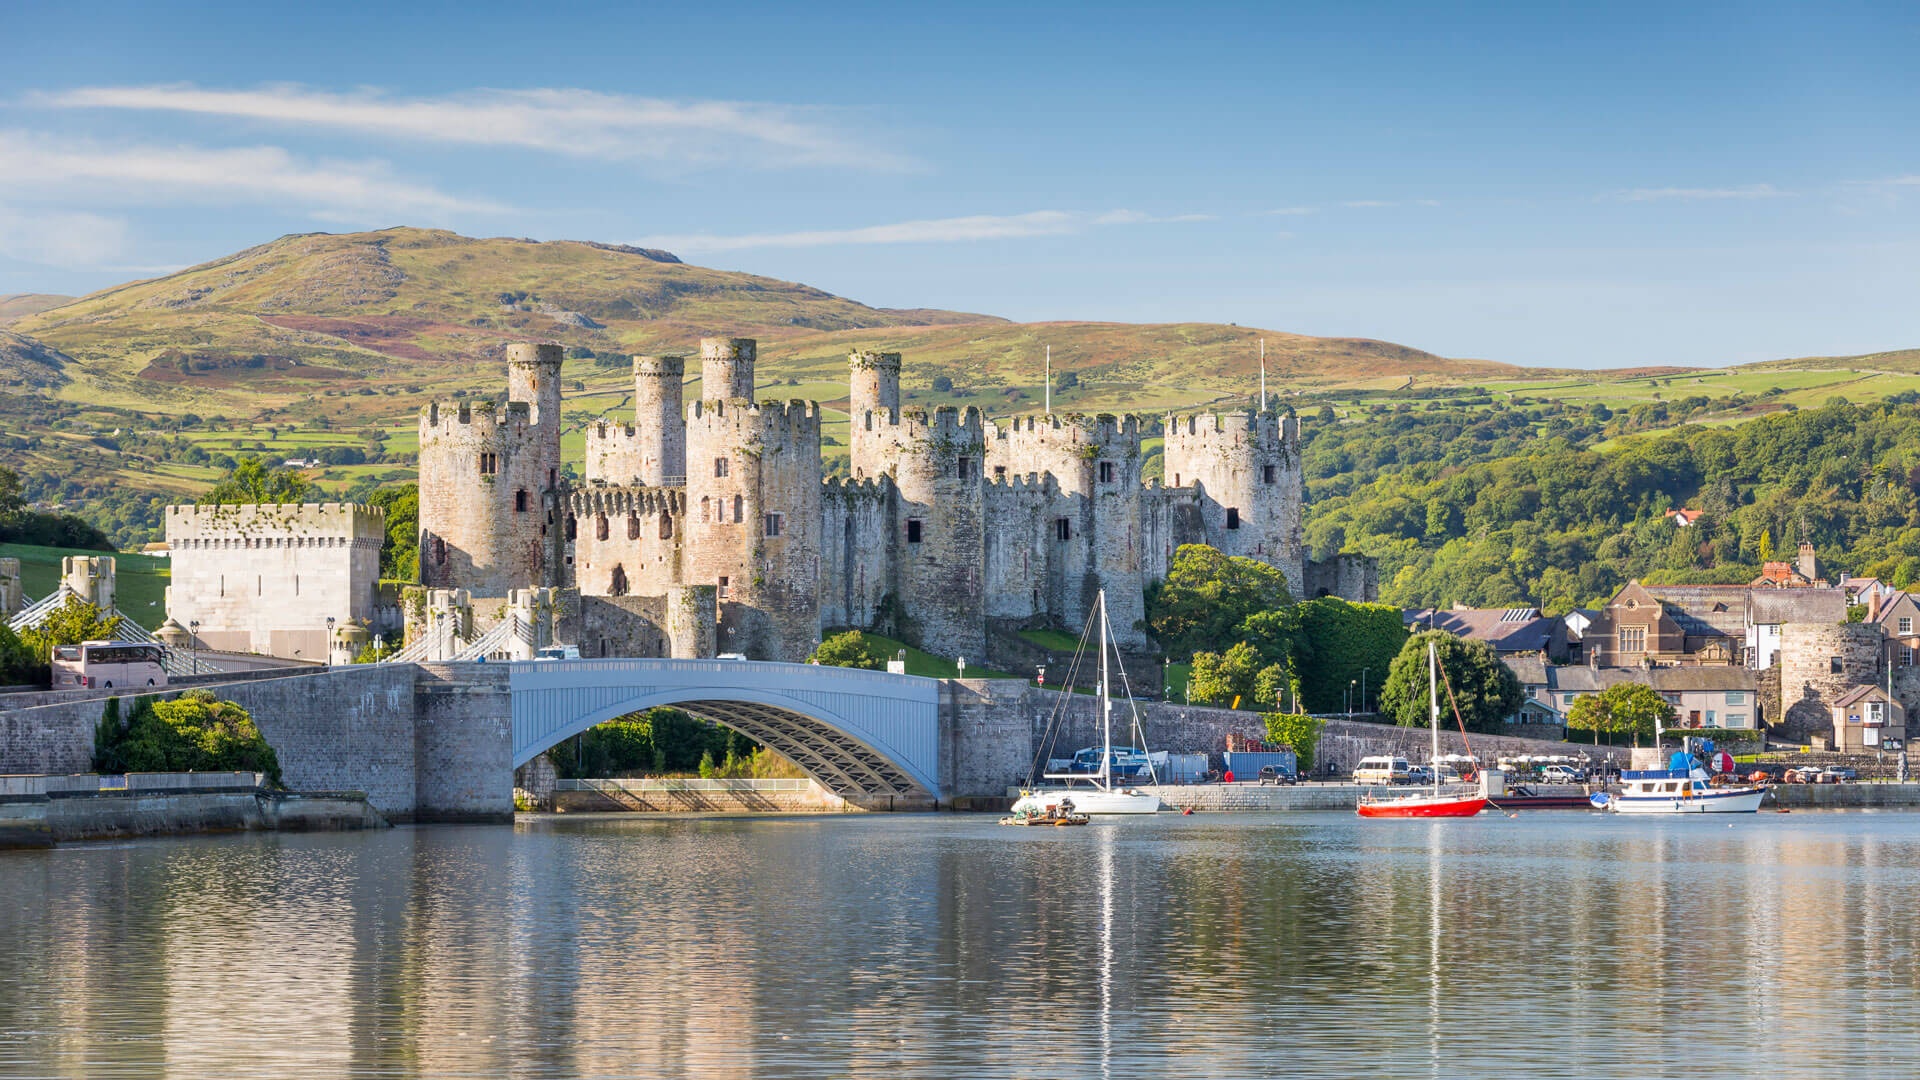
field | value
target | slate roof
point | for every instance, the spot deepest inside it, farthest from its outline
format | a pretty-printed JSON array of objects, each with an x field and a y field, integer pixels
[
  {"x": 1817, "y": 604},
  {"x": 1705, "y": 610},
  {"x": 1508, "y": 630}
]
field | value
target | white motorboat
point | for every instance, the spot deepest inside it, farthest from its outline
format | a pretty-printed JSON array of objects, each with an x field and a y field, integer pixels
[
  {"x": 1101, "y": 797},
  {"x": 1677, "y": 791}
]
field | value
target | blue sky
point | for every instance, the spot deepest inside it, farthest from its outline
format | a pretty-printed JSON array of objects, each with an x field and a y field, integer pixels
[{"x": 1606, "y": 185}]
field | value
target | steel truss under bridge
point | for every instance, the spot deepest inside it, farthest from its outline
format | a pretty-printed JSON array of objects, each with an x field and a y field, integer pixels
[{"x": 855, "y": 732}]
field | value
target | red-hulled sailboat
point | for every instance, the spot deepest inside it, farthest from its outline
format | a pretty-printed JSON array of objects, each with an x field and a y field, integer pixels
[{"x": 1435, "y": 803}]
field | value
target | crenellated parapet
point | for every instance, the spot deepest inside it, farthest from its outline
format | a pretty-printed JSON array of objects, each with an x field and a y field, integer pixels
[{"x": 626, "y": 501}]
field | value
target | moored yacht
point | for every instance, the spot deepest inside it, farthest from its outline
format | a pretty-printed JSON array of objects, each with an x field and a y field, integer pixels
[{"x": 1677, "y": 791}]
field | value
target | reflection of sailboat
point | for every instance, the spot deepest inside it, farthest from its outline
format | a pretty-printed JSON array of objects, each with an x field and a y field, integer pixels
[
  {"x": 1436, "y": 803},
  {"x": 1103, "y": 797}
]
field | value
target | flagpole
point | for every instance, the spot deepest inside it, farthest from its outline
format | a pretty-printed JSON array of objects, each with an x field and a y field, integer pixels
[
  {"x": 1049, "y": 380},
  {"x": 1263, "y": 374}
]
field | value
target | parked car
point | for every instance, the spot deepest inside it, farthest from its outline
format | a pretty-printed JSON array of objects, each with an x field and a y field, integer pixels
[
  {"x": 1277, "y": 774},
  {"x": 1381, "y": 770},
  {"x": 1842, "y": 773},
  {"x": 1420, "y": 774},
  {"x": 1563, "y": 774}
]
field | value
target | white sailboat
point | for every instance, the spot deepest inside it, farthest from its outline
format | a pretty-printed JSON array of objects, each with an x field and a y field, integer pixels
[{"x": 1103, "y": 797}]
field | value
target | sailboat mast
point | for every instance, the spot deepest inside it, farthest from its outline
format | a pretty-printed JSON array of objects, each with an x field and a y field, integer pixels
[
  {"x": 1433, "y": 698},
  {"x": 1106, "y": 703}
]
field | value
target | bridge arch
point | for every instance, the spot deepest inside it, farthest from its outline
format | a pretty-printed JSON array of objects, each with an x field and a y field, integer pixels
[{"x": 855, "y": 732}]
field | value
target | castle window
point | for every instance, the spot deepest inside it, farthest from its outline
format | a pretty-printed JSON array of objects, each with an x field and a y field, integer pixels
[
  {"x": 706, "y": 508},
  {"x": 1106, "y": 472},
  {"x": 913, "y": 530},
  {"x": 1176, "y": 479},
  {"x": 719, "y": 466},
  {"x": 1269, "y": 474},
  {"x": 573, "y": 527},
  {"x": 1833, "y": 665},
  {"x": 739, "y": 507},
  {"x": 1063, "y": 528},
  {"x": 666, "y": 526},
  {"x": 633, "y": 527},
  {"x": 618, "y": 585},
  {"x": 999, "y": 472},
  {"x": 773, "y": 524},
  {"x": 963, "y": 468},
  {"x": 489, "y": 464},
  {"x": 520, "y": 501},
  {"x": 722, "y": 592},
  {"x": 553, "y": 479},
  {"x": 599, "y": 526},
  {"x": 1233, "y": 517},
  {"x": 439, "y": 559}
]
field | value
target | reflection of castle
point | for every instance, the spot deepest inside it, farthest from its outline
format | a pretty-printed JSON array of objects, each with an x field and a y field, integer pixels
[{"x": 947, "y": 523}]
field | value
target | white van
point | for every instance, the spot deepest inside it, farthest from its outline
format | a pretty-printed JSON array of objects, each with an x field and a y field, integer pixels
[{"x": 1382, "y": 770}]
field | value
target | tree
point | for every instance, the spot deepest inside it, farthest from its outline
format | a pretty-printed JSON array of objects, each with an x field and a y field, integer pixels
[
  {"x": 1484, "y": 688},
  {"x": 1333, "y": 645},
  {"x": 942, "y": 384},
  {"x": 254, "y": 481},
  {"x": 847, "y": 650},
  {"x": 195, "y": 732},
  {"x": 1630, "y": 707},
  {"x": 1207, "y": 595},
  {"x": 1228, "y": 678},
  {"x": 400, "y": 552},
  {"x": 18, "y": 665},
  {"x": 13, "y": 498},
  {"x": 1297, "y": 730},
  {"x": 69, "y": 624}
]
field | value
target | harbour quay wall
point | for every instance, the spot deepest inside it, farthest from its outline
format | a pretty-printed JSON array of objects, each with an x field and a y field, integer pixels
[
  {"x": 41, "y": 811},
  {"x": 997, "y": 728},
  {"x": 1845, "y": 796}
]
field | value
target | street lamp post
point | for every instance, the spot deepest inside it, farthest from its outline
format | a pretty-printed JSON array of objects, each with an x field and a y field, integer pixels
[
  {"x": 329, "y": 641},
  {"x": 1351, "y": 683},
  {"x": 193, "y": 631}
]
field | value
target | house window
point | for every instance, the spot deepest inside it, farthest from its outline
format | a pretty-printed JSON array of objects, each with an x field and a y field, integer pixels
[
  {"x": 1063, "y": 528},
  {"x": 1106, "y": 472},
  {"x": 489, "y": 464},
  {"x": 1735, "y": 719},
  {"x": 1269, "y": 474},
  {"x": 963, "y": 468},
  {"x": 1906, "y": 625},
  {"x": 520, "y": 501},
  {"x": 719, "y": 466},
  {"x": 1736, "y": 697},
  {"x": 1876, "y": 712},
  {"x": 739, "y": 506},
  {"x": 1633, "y": 639},
  {"x": 774, "y": 522},
  {"x": 1833, "y": 665},
  {"x": 913, "y": 530},
  {"x": 599, "y": 526},
  {"x": 1233, "y": 517},
  {"x": 1713, "y": 719},
  {"x": 1906, "y": 656}
]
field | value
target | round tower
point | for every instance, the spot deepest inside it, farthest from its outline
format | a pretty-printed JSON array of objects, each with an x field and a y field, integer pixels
[
  {"x": 1245, "y": 469},
  {"x": 937, "y": 465},
  {"x": 873, "y": 407},
  {"x": 661, "y": 425},
  {"x": 533, "y": 376},
  {"x": 726, "y": 368},
  {"x": 486, "y": 476},
  {"x": 753, "y": 522},
  {"x": 691, "y": 619}
]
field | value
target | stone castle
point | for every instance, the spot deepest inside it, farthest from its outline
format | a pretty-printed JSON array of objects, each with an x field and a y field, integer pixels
[{"x": 949, "y": 526}]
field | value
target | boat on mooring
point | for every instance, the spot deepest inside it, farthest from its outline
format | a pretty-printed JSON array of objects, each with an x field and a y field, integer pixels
[
  {"x": 1103, "y": 796},
  {"x": 1436, "y": 803},
  {"x": 1677, "y": 791}
]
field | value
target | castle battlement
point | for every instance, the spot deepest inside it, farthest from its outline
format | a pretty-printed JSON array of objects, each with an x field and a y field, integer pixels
[
  {"x": 484, "y": 416},
  {"x": 626, "y": 501},
  {"x": 287, "y": 524},
  {"x": 851, "y": 491},
  {"x": 767, "y": 418},
  {"x": 608, "y": 429},
  {"x": 1080, "y": 428}
]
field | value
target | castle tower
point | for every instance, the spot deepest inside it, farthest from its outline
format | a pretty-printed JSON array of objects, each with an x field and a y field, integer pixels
[
  {"x": 1092, "y": 523},
  {"x": 753, "y": 522},
  {"x": 1245, "y": 469},
  {"x": 936, "y": 463},
  {"x": 873, "y": 404},
  {"x": 488, "y": 477},
  {"x": 726, "y": 368},
  {"x": 660, "y": 422}
]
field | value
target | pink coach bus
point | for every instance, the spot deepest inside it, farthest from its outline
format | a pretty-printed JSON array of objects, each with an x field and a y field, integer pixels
[{"x": 108, "y": 665}]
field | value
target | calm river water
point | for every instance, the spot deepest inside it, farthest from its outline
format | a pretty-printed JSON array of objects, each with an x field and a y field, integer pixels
[{"x": 947, "y": 946}]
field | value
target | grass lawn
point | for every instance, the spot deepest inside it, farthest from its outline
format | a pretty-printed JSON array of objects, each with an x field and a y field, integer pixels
[
  {"x": 927, "y": 664},
  {"x": 140, "y": 580}
]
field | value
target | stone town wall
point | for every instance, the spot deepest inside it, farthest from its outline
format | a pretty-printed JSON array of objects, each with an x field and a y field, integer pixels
[
  {"x": 618, "y": 626},
  {"x": 265, "y": 578},
  {"x": 857, "y": 554},
  {"x": 1354, "y": 577},
  {"x": 1819, "y": 663},
  {"x": 11, "y": 588},
  {"x": 1019, "y": 549}
]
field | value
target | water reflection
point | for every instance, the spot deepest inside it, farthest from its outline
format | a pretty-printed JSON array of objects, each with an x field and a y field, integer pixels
[{"x": 943, "y": 946}]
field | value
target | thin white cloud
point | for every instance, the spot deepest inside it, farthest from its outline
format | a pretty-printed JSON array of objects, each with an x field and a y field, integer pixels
[
  {"x": 36, "y": 165},
  {"x": 1367, "y": 204},
  {"x": 1291, "y": 211},
  {"x": 1749, "y": 191},
  {"x": 579, "y": 123},
  {"x": 929, "y": 231},
  {"x": 68, "y": 240}
]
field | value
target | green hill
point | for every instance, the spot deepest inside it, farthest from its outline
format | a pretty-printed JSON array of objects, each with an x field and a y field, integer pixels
[{"x": 15, "y": 306}]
